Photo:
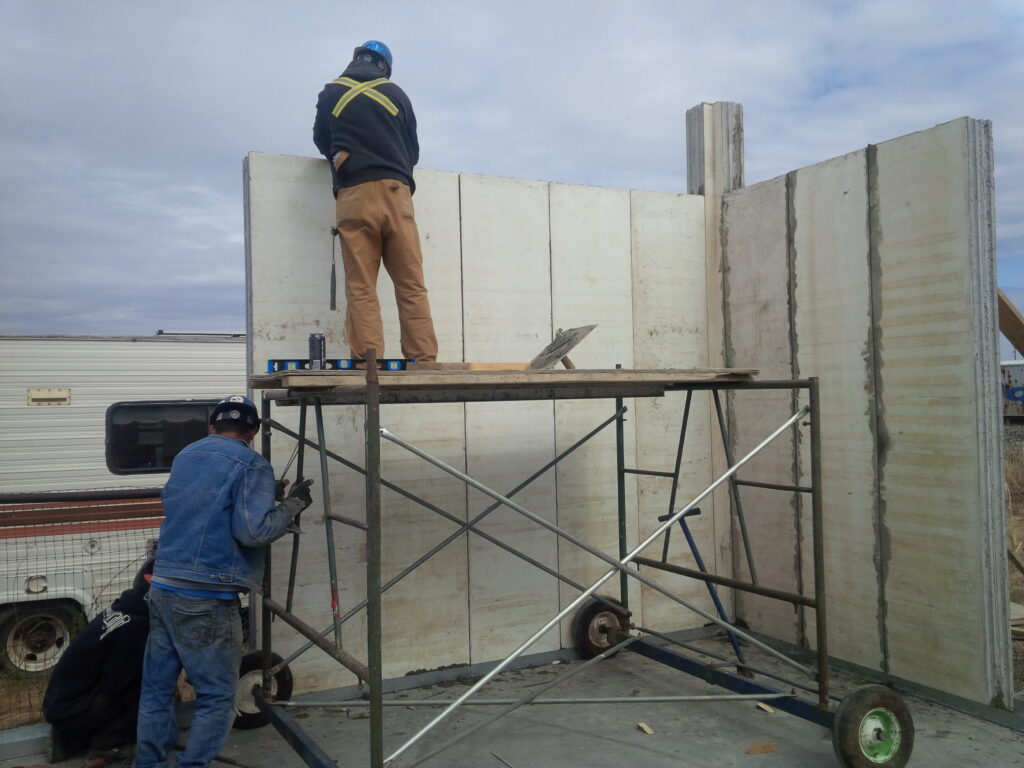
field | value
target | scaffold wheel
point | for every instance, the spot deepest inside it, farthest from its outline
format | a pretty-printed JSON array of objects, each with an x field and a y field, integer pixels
[
  {"x": 250, "y": 675},
  {"x": 872, "y": 728},
  {"x": 593, "y": 623}
]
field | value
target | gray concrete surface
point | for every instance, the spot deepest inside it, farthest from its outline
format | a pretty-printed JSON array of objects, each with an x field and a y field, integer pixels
[{"x": 702, "y": 735}]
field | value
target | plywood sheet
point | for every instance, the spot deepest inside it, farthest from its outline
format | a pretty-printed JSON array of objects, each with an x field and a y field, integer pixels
[
  {"x": 669, "y": 311},
  {"x": 507, "y": 316},
  {"x": 833, "y": 338},
  {"x": 590, "y": 283},
  {"x": 936, "y": 357},
  {"x": 757, "y": 306}
]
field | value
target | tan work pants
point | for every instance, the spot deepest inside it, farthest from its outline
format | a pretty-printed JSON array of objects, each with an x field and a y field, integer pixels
[{"x": 375, "y": 220}]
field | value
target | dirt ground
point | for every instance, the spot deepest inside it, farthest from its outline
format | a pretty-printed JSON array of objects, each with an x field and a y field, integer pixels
[{"x": 21, "y": 699}]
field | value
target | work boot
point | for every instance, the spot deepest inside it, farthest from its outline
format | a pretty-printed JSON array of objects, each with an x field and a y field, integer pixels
[{"x": 115, "y": 757}]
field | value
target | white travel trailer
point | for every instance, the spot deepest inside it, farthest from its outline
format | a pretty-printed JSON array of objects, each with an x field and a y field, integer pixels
[{"x": 88, "y": 428}]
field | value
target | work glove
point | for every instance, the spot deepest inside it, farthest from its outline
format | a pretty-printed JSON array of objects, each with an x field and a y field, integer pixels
[
  {"x": 279, "y": 487},
  {"x": 298, "y": 498},
  {"x": 301, "y": 491}
]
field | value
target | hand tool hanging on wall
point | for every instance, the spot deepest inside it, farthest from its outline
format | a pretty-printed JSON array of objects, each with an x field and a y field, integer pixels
[{"x": 334, "y": 278}]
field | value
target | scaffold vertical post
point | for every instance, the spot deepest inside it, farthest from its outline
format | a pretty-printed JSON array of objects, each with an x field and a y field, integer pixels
[
  {"x": 373, "y": 562},
  {"x": 325, "y": 484},
  {"x": 265, "y": 618},
  {"x": 620, "y": 477},
  {"x": 293, "y": 567},
  {"x": 818, "y": 544}
]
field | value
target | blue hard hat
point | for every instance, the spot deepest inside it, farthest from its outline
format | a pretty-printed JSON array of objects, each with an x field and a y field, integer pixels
[
  {"x": 236, "y": 408},
  {"x": 376, "y": 46}
]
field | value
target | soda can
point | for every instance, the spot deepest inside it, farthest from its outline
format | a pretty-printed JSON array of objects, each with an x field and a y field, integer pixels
[{"x": 317, "y": 351}]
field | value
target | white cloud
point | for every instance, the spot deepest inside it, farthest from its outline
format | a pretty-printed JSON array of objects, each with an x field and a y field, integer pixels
[{"x": 125, "y": 124}]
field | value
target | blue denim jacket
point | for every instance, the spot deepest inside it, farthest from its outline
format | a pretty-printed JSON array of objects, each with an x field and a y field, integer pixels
[{"x": 219, "y": 514}]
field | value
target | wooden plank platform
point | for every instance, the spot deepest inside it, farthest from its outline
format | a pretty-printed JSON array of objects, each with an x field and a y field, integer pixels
[{"x": 341, "y": 387}]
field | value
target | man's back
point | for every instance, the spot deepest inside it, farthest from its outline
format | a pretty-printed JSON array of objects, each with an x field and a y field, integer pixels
[
  {"x": 219, "y": 509},
  {"x": 375, "y": 124}
]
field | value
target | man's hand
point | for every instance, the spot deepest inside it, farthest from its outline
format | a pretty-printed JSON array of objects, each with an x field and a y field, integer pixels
[
  {"x": 300, "y": 496},
  {"x": 279, "y": 487}
]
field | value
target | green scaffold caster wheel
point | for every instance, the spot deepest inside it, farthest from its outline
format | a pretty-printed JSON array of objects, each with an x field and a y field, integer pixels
[{"x": 873, "y": 727}]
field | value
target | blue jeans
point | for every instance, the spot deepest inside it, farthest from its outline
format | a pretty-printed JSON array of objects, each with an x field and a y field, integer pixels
[{"x": 203, "y": 636}]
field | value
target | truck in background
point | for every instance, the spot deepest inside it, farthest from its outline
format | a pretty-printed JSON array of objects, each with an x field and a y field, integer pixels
[{"x": 88, "y": 429}]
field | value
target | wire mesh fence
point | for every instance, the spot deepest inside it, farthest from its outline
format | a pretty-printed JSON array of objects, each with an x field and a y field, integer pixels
[{"x": 64, "y": 557}]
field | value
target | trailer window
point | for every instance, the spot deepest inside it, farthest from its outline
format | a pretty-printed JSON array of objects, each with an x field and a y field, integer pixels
[{"x": 145, "y": 437}]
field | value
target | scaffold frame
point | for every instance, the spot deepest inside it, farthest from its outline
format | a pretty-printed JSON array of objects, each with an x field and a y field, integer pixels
[{"x": 308, "y": 390}]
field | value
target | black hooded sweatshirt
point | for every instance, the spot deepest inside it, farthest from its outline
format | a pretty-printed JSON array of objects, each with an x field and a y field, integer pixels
[
  {"x": 382, "y": 145},
  {"x": 93, "y": 695}
]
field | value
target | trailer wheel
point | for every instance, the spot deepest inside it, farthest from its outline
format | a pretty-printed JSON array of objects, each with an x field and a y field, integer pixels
[
  {"x": 250, "y": 675},
  {"x": 592, "y": 624},
  {"x": 873, "y": 727},
  {"x": 33, "y": 636}
]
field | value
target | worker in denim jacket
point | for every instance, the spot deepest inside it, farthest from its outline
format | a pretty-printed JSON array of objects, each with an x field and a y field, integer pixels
[{"x": 220, "y": 512}]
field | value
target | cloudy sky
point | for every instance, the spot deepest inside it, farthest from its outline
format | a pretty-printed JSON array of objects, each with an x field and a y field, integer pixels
[{"x": 123, "y": 125}]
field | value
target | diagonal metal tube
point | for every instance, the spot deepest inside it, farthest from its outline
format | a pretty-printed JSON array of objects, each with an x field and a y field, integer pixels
[
  {"x": 463, "y": 526},
  {"x": 618, "y": 565},
  {"x": 528, "y": 699},
  {"x": 675, "y": 472},
  {"x": 597, "y": 584},
  {"x": 435, "y": 703},
  {"x": 735, "y": 491}
]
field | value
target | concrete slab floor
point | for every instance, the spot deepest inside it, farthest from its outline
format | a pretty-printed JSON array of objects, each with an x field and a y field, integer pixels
[{"x": 690, "y": 735}]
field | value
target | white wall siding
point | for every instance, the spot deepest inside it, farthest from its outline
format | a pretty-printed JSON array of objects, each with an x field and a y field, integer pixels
[{"x": 58, "y": 447}]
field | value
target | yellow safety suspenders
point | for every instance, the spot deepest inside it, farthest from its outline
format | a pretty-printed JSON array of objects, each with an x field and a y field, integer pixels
[{"x": 368, "y": 89}]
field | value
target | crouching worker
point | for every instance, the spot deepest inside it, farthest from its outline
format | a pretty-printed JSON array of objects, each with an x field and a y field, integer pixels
[
  {"x": 92, "y": 699},
  {"x": 220, "y": 511}
]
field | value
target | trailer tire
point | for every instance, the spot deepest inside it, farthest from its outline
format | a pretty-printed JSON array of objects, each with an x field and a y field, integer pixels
[
  {"x": 250, "y": 674},
  {"x": 873, "y": 729},
  {"x": 33, "y": 636},
  {"x": 592, "y": 623}
]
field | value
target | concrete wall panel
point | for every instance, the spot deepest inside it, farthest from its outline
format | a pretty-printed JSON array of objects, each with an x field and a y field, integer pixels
[
  {"x": 669, "y": 308},
  {"x": 834, "y": 342},
  {"x": 936, "y": 367},
  {"x": 507, "y": 317},
  {"x": 591, "y": 283},
  {"x": 289, "y": 215},
  {"x": 884, "y": 261},
  {"x": 757, "y": 303}
]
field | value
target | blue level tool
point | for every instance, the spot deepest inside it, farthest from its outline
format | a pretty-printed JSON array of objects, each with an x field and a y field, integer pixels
[{"x": 342, "y": 364}]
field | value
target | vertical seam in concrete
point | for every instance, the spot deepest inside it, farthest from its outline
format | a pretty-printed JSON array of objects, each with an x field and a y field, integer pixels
[
  {"x": 796, "y": 499},
  {"x": 247, "y": 224},
  {"x": 736, "y": 170},
  {"x": 728, "y": 353},
  {"x": 632, "y": 402},
  {"x": 465, "y": 426},
  {"x": 554, "y": 403},
  {"x": 462, "y": 265},
  {"x": 883, "y": 544}
]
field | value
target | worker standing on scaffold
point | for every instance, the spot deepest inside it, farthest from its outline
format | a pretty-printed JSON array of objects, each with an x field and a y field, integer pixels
[
  {"x": 220, "y": 512},
  {"x": 366, "y": 128}
]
